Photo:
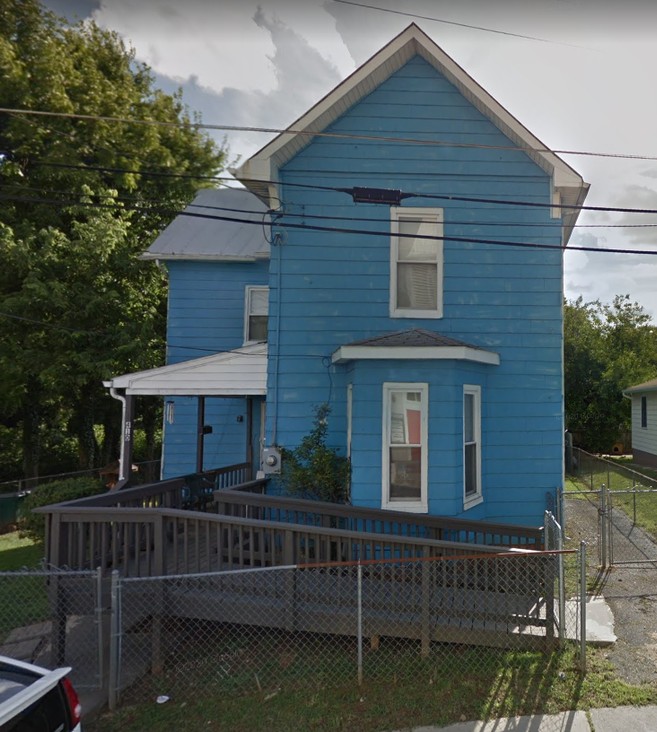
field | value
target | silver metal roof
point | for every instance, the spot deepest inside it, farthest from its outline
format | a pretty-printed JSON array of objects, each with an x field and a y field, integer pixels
[
  {"x": 202, "y": 231},
  {"x": 646, "y": 386},
  {"x": 242, "y": 372}
]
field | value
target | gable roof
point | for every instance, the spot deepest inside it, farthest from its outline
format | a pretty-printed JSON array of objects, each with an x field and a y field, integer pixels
[
  {"x": 415, "y": 344},
  {"x": 260, "y": 172},
  {"x": 242, "y": 372},
  {"x": 646, "y": 386},
  {"x": 199, "y": 232}
]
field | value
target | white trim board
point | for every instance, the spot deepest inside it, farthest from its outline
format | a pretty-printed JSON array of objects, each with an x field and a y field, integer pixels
[{"x": 415, "y": 353}]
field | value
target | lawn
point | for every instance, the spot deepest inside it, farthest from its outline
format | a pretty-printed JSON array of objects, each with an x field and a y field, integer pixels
[
  {"x": 17, "y": 553},
  {"x": 464, "y": 685},
  {"x": 24, "y": 599}
]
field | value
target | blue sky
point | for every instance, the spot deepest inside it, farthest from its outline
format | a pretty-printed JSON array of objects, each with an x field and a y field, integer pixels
[{"x": 583, "y": 82}]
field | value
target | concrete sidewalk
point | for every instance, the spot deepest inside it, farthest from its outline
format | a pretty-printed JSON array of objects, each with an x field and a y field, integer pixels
[{"x": 632, "y": 719}]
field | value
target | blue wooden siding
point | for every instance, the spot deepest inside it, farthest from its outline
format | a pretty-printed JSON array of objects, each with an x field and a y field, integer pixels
[
  {"x": 335, "y": 289},
  {"x": 206, "y": 315}
]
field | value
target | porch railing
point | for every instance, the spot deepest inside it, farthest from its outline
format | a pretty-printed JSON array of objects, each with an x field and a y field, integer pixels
[
  {"x": 164, "y": 541},
  {"x": 245, "y": 502}
]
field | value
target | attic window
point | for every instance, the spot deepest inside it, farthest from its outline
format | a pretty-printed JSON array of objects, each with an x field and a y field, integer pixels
[
  {"x": 416, "y": 263},
  {"x": 256, "y": 314}
]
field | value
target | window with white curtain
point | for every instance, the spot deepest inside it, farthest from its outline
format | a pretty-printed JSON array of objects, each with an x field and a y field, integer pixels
[
  {"x": 256, "y": 312},
  {"x": 416, "y": 263}
]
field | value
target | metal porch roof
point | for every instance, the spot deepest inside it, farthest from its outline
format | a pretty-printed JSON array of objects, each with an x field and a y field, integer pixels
[{"x": 242, "y": 372}]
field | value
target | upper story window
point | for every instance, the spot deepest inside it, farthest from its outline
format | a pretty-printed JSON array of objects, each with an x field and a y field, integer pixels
[
  {"x": 644, "y": 412},
  {"x": 256, "y": 312},
  {"x": 416, "y": 263}
]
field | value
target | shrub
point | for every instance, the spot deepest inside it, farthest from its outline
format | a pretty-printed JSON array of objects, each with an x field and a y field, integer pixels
[
  {"x": 32, "y": 525},
  {"x": 314, "y": 470}
]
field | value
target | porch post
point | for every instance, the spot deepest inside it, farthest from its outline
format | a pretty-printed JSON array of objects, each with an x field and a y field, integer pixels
[
  {"x": 125, "y": 459},
  {"x": 200, "y": 424},
  {"x": 249, "y": 433}
]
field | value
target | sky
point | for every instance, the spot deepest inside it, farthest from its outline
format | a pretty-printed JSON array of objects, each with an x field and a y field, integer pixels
[{"x": 579, "y": 74}]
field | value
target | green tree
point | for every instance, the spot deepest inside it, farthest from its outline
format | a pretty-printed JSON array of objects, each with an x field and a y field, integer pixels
[
  {"x": 607, "y": 347},
  {"x": 82, "y": 200}
]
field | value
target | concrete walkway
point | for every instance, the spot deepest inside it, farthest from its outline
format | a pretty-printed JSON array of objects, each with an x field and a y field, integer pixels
[{"x": 632, "y": 719}]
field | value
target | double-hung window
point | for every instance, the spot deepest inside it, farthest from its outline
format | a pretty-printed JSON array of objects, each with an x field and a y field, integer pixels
[
  {"x": 416, "y": 263},
  {"x": 471, "y": 445},
  {"x": 405, "y": 412},
  {"x": 644, "y": 412},
  {"x": 256, "y": 311}
]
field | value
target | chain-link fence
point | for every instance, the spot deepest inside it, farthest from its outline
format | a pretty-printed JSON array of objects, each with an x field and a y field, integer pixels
[
  {"x": 54, "y": 618},
  {"x": 309, "y": 627},
  {"x": 625, "y": 501}
]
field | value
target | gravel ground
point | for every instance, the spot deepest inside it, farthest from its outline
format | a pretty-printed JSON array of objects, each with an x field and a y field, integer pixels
[{"x": 630, "y": 589}]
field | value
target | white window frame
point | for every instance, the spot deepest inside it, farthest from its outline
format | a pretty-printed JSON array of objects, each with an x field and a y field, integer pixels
[
  {"x": 397, "y": 214},
  {"x": 248, "y": 297},
  {"x": 421, "y": 505},
  {"x": 475, "y": 498}
]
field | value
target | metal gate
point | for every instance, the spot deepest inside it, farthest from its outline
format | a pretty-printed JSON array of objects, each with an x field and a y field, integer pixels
[{"x": 625, "y": 500}]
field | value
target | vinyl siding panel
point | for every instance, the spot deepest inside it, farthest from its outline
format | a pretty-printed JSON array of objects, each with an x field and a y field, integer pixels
[
  {"x": 206, "y": 315},
  {"x": 335, "y": 289},
  {"x": 644, "y": 438}
]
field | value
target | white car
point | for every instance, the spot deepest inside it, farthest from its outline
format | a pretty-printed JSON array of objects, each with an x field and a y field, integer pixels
[{"x": 34, "y": 698}]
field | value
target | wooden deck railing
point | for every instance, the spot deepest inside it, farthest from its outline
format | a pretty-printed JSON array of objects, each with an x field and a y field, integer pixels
[
  {"x": 164, "y": 541},
  {"x": 244, "y": 501},
  {"x": 190, "y": 492},
  {"x": 174, "y": 526}
]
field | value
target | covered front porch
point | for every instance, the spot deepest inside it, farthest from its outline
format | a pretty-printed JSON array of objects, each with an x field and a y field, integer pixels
[{"x": 238, "y": 377}]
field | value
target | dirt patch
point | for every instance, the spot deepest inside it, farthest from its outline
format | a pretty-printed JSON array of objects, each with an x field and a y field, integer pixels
[{"x": 629, "y": 589}]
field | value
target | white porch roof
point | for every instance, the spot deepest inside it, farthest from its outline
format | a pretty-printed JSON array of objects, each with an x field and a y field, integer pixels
[{"x": 242, "y": 372}]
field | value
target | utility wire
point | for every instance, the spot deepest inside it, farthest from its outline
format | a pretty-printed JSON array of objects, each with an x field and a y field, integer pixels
[
  {"x": 348, "y": 191},
  {"x": 365, "y": 232},
  {"x": 304, "y": 215},
  {"x": 451, "y": 22},
  {"x": 315, "y": 133}
]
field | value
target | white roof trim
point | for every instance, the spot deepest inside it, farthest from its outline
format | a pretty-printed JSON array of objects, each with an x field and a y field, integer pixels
[
  {"x": 264, "y": 165},
  {"x": 241, "y": 372},
  {"x": 416, "y": 353},
  {"x": 148, "y": 256}
]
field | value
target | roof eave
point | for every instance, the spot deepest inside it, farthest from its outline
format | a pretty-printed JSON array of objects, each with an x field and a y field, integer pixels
[
  {"x": 260, "y": 172},
  {"x": 415, "y": 353}
]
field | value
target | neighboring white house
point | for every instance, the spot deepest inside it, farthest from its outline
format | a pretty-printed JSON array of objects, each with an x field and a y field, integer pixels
[{"x": 644, "y": 422}]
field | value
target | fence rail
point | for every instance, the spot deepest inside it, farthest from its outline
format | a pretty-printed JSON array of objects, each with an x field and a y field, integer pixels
[
  {"x": 271, "y": 629},
  {"x": 240, "y": 503},
  {"x": 625, "y": 501}
]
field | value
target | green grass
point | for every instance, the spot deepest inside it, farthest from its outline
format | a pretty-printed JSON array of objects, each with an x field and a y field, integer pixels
[
  {"x": 24, "y": 599},
  {"x": 465, "y": 684},
  {"x": 17, "y": 553}
]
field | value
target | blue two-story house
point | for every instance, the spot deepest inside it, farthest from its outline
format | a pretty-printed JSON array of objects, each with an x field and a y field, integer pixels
[{"x": 409, "y": 275}]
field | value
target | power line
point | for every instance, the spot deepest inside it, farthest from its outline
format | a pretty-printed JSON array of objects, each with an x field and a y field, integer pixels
[
  {"x": 348, "y": 191},
  {"x": 314, "y": 133},
  {"x": 452, "y": 22},
  {"x": 366, "y": 232},
  {"x": 304, "y": 215}
]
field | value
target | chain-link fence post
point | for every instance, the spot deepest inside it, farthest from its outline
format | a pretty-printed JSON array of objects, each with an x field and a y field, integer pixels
[
  {"x": 582, "y": 607},
  {"x": 359, "y": 620},
  {"x": 99, "y": 625},
  {"x": 602, "y": 511},
  {"x": 115, "y": 642}
]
